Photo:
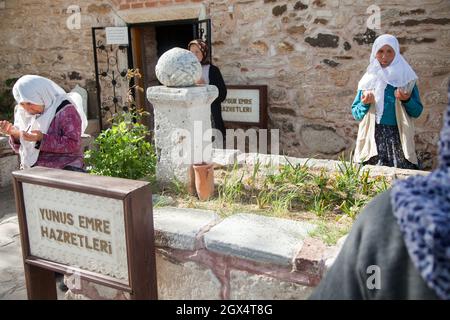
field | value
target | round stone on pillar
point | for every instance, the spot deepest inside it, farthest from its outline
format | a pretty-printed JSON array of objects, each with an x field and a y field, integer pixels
[
  {"x": 182, "y": 116},
  {"x": 178, "y": 68}
]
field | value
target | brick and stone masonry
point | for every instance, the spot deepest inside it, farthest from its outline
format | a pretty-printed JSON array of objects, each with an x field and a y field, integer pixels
[{"x": 310, "y": 53}]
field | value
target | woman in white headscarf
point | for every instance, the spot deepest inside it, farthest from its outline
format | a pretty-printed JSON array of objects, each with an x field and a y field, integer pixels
[
  {"x": 386, "y": 103},
  {"x": 399, "y": 247},
  {"x": 47, "y": 125}
]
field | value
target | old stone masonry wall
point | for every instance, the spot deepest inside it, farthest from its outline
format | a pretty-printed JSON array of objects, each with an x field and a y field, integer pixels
[{"x": 310, "y": 53}]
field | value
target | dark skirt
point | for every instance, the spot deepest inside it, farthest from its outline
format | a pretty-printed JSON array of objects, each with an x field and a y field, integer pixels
[
  {"x": 217, "y": 123},
  {"x": 389, "y": 147}
]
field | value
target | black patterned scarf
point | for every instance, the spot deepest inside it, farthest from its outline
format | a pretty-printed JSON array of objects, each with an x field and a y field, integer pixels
[{"x": 422, "y": 209}]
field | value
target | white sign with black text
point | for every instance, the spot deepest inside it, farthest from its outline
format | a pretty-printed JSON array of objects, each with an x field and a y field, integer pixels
[
  {"x": 77, "y": 229},
  {"x": 241, "y": 105},
  {"x": 117, "y": 35}
]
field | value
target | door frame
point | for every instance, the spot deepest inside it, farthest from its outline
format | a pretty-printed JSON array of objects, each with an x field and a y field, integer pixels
[
  {"x": 95, "y": 47},
  {"x": 134, "y": 53},
  {"x": 135, "y": 41}
]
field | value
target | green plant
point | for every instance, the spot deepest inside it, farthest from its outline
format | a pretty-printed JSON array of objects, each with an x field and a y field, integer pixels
[
  {"x": 319, "y": 205},
  {"x": 256, "y": 168},
  {"x": 232, "y": 188},
  {"x": 7, "y": 100},
  {"x": 328, "y": 232},
  {"x": 381, "y": 184},
  {"x": 349, "y": 175},
  {"x": 296, "y": 175},
  {"x": 124, "y": 150},
  {"x": 263, "y": 198},
  {"x": 286, "y": 189},
  {"x": 178, "y": 187},
  {"x": 282, "y": 200},
  {"x": 352, "y": 207}
]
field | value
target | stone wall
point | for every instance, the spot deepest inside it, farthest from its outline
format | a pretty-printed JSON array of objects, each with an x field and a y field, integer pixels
[
  {"x": 9, "y": 162},
  {"x": 37, "y": 40},
  {"x": 310, "y": 53}
]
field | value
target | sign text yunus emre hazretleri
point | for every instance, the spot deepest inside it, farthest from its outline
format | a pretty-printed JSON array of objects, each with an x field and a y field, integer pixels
[{"x": 72, "y": 238}]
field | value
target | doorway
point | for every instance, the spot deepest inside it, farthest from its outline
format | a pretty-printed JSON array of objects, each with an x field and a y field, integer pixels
[
  {"x": 168, "y": 37},
  {"x": 149, "y": 41}
]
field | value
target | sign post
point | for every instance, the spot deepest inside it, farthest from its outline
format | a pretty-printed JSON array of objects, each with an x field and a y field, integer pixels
[{"x": 99, "y": 228}]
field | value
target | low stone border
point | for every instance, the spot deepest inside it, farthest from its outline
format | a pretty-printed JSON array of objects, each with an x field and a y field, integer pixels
[
  {"x": 244, "y": 256},
  {"x": 9, "y": 162},
  {"x": 228, "y": 158}
]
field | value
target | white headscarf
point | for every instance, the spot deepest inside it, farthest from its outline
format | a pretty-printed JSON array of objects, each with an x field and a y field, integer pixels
[
  {"x": 376, "y": 78},
  {"x": 41, "y": 91}
]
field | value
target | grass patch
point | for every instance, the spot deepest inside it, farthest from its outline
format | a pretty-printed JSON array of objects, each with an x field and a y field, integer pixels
[
  {"x": 330, "y": 232},
  {"x": 291, "y": 191}
]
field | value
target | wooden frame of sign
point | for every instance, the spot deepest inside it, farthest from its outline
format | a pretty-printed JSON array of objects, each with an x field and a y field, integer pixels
[
  {"x": 262, "y": 121},
  {"x": 130, "y": 206}
]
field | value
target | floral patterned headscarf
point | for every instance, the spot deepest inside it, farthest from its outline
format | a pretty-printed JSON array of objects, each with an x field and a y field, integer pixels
[
  {"x": 422, "y": 209},
  {"x": 203, "y": 48}
]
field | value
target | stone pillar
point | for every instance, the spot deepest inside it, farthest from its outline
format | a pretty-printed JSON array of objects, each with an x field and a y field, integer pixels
[
  {"x": 182, "y": 112},
  {"x": 182, "y": 129}
]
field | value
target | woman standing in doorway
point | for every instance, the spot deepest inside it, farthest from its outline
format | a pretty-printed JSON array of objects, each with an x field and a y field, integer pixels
[{"x": 211, "y": 75}]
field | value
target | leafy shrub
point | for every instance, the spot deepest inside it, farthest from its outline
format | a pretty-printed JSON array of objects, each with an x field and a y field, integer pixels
[
  {"x": 123, "y": 150},
  {"x": 7, "y": 100}
]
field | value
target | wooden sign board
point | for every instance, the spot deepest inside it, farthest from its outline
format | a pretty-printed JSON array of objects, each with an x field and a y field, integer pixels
[
  {"x": 99, "y": 227},
  {"x": 245, "y": 106}
]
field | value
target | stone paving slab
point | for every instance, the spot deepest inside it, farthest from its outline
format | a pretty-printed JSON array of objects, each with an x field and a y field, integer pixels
[
  {"x": 258, "y": 238},
  {"x": 12, "y": 278},
  {"x": 4, "y": 143},
  {"x": 177, "y": 228},
  {"x": 7, "y": 203},
  {"x": 8, "y": 164}
]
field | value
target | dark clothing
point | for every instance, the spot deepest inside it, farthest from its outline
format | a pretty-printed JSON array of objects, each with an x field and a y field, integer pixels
[
  {"x": 76, "y": 169},
  {"x": 375, "y": 239},
  {"x": 389, "y": 146},
  {"x": 216, "y": 79}
]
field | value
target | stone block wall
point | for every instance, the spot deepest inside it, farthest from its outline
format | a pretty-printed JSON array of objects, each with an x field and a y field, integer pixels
[
  {"x": 37, "y": 40},
  {"x": 310, "y": 53},
  {"x": 9, "y": 162}
]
